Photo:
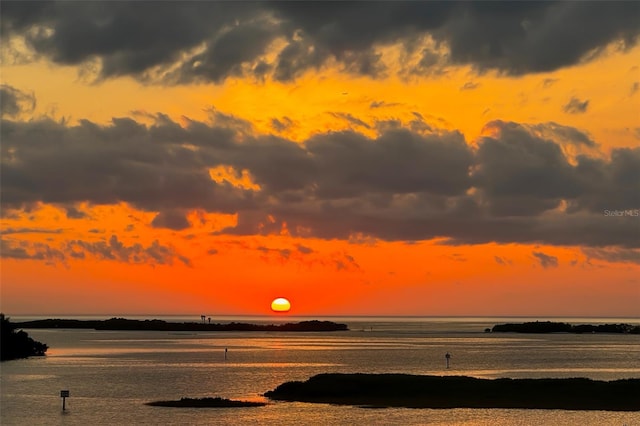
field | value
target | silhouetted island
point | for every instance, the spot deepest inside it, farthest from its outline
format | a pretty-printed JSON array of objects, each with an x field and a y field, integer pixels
[
  {"x": 216, "y": 402},
  {"x": 17, "y": 344},
  {"x": 159, "y": 325},
  {"x": 404, "y": 390},
  {"x": 561, "y": 327}
]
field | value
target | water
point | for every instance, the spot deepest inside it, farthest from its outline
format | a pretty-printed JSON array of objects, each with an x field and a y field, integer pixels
[{"x": 111, "y": 374}]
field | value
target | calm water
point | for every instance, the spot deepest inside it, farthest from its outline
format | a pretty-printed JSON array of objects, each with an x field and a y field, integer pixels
[{"x": 112, "y": 374}]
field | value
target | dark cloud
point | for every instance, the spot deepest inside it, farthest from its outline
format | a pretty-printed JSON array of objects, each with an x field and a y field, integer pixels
[
  {"x": 548, "y": 82},
  {"x": 346, "y": 262},
  {"x": 502, "y": 261},
  {"x": 303, "y": 249},
  {"x": 521, "y": 174},
  {"x": 14, "y": 101},
  {"x": 518, "y": 185},
  {"x": 115, "y": 250},
  {"x": 576, "y": 106},
  {"x": 382, "y": 104},
  {"x": 23, "y": 250},
  {"x": 613, "y": 255},
  {"x": 148, "y": 167},
  {"x": 171, "y": 219},
  {"x": 563, "y": 134},
  {"x": 470, "y": 85},
  {"x": 184, "y": 42},
  {"x": 546, "y": 261},
  {"x": 280, "y": 255},
  {"x": 74, "y": 213},
  {"x": 280, "y": 125},
  {"x": 350, "y": 119},
  {"x": 634, "y": 88},
  {"x": 521, "y": 37},
  {"x": 8, "y": 231}
]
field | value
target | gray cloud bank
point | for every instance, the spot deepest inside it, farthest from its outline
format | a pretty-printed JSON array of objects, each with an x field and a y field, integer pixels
[
  {"x": 14, "y": 101},
  {"x": 184, "y": 42},
  {"x": 113, "y": 249},
  {"x": 520, "y": 185}
]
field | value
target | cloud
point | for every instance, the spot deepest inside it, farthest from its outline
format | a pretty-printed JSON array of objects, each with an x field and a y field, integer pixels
[
  {"x": 350, "y": 119},
  {"x": 546, "y": 261},
  {"x": 115, "y": 250},
  {"x": 516, "y": 184},
  {"x": 470, "y": 85},
  {"x": 171, "y": 219},
  {"x": 8, "y": 231},
  {"x": 382, "y": 104},
  {"x": 613, "y": 255},
  {"x": 177, "y": 42},
  {"x": 74, "y": 213},
  {"x": 634, "y": 88},
  {"x": 23, "y": 250},
  {"x": 14, "y": 101},
  {"x": 576, "y": 106},
  {"x": 563, "y": 134},
  {"x": 282, "y": 124},
  {"x": 303, "y": 249}
]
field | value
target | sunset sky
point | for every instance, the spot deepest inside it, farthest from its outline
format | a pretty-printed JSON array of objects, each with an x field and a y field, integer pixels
[{"x": 367, "y": 158}]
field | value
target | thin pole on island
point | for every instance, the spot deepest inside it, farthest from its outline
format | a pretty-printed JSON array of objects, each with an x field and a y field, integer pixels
[{"x": 447, "y": 357}]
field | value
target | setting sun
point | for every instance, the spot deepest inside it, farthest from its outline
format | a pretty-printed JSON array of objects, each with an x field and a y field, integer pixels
[{"x": 280, "y": 305}]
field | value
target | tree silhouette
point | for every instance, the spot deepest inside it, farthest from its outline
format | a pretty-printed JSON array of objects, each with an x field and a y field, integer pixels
[{"x": 17, "y": 344}]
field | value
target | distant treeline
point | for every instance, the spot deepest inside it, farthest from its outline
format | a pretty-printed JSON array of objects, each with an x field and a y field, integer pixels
[
  {"x": 561, "y": 327},
  {"x": 405, "y": 390},
  {"x": 160, "y": 325},
  {"x": 17, "y": 344}
]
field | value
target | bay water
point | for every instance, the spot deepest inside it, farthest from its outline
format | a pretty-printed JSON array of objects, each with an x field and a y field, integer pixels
[{"x": 112, "y": 374}]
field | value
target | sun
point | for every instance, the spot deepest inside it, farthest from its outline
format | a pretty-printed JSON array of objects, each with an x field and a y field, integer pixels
[{"x": 280, "y": 305}]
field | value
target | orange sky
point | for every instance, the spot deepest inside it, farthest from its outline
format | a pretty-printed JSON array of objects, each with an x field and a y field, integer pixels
[{"x": 76, "y": 240}]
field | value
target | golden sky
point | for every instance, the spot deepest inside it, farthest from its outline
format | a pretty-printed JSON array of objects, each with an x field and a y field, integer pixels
[{"x": 358, "y": 159}]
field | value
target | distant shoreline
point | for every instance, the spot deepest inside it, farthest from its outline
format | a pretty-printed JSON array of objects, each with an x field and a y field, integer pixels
[
  {"x": 414, "y": 391},
  {"x": 562, "y": 327},
  {"x": 122, "y": 324}
]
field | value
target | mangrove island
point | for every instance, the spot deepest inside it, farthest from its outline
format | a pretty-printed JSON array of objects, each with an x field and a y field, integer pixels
[
  {"x": 16, "y": 344},
  {"x": 561, "y": 327},
  {"x": 160, "y": 325},
  {"x": 414, "y": 391}
]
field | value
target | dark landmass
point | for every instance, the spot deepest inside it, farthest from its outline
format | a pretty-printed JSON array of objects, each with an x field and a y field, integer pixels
[
  {"x": 159, "y": 325},
  {"x": 205, "y": 403},
  {"x": 17, "y": 344},
  {"x": 561, "y": 327},
  {"x": 404, "y": 390}
]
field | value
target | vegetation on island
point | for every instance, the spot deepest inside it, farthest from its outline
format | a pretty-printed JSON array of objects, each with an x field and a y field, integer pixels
[
  {"x": 561, "y": 327},
  {"x": 160, "y": 325},
  {"x": 208, "y": 402},
  {"x": 16, "y": 344},
  {"x": 413, "y": 391}
]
